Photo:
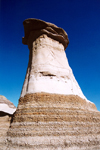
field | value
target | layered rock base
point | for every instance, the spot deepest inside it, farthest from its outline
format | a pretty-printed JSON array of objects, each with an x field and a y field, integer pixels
[
  {"x": 5, "y": 120},
  {"x": 7, "y": 109},
  {"x": 50, "y": 122}
]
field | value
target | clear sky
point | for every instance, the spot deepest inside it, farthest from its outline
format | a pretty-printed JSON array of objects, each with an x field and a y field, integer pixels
[{"x": 79, "y": 18}]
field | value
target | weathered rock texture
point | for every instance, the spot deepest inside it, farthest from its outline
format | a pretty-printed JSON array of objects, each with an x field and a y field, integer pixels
[
  {"x": 51, "y": 122},
  {"x": 4, "y": 126},
  {"x": 6, "y": 112},
  {"x": 53, "y": 113},
  {"x": 34, "y": 28}
]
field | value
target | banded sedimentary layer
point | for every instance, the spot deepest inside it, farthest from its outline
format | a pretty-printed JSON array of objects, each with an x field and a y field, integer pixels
[
  {"x": 6, "y": 112},
  {"x": 53, "y": 121},
  {"x": 4, "y": 126}
]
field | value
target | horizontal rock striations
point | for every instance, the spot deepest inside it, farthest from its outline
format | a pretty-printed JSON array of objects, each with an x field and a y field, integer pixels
[
  {"x": 6, "y": 112},
  {"x": 52, "y": 113},
  {"x": 4, "y": 126},
  {"x": 50, "y": 121}
]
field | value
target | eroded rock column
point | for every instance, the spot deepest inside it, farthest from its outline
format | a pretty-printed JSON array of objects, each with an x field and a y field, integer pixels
[
  {"x": 52, "y": 112},
  {"x": 48, "y": 70}
]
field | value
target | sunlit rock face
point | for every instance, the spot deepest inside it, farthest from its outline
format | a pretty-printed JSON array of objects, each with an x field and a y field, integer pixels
[
  {"x": 53, "y": 113},
  {"x": 48, "y": 70},
  {"x": 6, "y": 112},
  {"x": 6, "y": 106}
]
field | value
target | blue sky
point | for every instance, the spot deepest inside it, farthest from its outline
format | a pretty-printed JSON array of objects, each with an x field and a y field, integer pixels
[{"x": 79, "y": 18}]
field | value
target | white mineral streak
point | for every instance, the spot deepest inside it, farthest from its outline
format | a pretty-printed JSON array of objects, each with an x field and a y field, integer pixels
[
  {"x": 5, "y": 108},
  {"x": 49, "y": 70}
]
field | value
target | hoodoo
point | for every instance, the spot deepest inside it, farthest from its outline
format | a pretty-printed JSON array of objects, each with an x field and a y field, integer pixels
[
  {"x": 52, "y": 113},
  {"x": 48, "y": 70}
]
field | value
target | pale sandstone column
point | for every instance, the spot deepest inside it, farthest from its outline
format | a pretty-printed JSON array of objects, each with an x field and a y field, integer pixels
[{"x": 48, "y": 70}]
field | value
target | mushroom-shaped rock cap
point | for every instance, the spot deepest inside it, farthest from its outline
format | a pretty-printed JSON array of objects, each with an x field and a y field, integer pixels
[
  {"x": 6, "y": 106},
  {"x": 33, "y": 28}
]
